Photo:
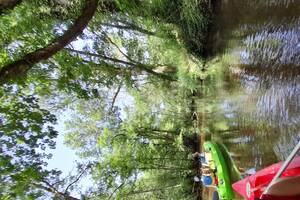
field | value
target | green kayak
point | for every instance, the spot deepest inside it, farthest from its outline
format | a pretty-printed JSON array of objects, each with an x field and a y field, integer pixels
[
  {"x": 218, "y": 162},
  {"x": 234, "y": 173}
]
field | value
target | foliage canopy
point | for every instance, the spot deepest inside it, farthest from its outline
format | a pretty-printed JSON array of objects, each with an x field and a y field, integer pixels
[{"x": 79, "y": 57}]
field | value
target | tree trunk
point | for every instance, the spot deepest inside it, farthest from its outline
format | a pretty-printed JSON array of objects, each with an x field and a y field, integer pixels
[
  {"x": 20, "y": 67},
  {"x": 8, "y": 5}
]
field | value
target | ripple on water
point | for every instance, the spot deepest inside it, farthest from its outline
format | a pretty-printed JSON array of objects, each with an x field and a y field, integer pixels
[{"x": 263, "y": 114}]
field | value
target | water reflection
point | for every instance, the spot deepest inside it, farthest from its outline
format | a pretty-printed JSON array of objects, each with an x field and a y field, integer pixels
[{"x": 260, "y": 96}]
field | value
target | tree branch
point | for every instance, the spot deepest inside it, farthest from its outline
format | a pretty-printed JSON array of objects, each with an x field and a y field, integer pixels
[
  {"x": 20, "y": 67},
  {"x": 100, "y": 56},
  {"x": 143, "y": 67},
  {"x": 53, "y": 190},
  {"x": 119, "y": 49},
  {"x": 115, "y": 96},
  {"x": 132, "y": 27},
  {"x": 115, "y": 190},
  {"x": 78, "y": 177}
]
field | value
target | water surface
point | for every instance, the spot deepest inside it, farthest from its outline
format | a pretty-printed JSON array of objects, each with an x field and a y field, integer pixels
[{"x": 253, "y": 104}]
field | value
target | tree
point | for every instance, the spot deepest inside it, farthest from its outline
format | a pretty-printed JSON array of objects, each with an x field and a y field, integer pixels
[
  {"x": 20, "y": 67},
  {"x": 143, "y": 143},
  {"x": 26, "y": 131},
  {"x": 87, "y": 65}
]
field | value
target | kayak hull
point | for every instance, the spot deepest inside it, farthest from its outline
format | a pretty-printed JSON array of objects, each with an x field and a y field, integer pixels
[
  {"x": 224, "y": 187},
  {"x": 234, "y": 173},
  {"x": 253, "y": 186}
]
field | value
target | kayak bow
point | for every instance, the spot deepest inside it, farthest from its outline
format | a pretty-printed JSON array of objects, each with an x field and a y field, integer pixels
[
  {"x": 254, "y": 186},
  {"x": 218, "y": 162}
]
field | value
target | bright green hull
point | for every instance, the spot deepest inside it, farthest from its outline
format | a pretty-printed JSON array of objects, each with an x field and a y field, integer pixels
[
  {"x": 224, "y": 188},
  {"x": 234, "y": 173}
]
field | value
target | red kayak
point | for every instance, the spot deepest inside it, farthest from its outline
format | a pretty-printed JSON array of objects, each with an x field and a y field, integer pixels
[{"x": 253, "y": 187}]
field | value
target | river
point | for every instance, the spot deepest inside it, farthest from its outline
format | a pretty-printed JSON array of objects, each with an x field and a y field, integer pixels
[{"x": 251, "y": 97}]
